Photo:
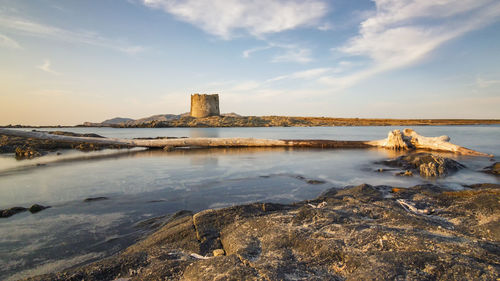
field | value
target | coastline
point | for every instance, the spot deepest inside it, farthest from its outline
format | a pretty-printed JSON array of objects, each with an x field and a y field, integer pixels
[
  {"x": 362, "y": 232},
  {"x": 276, "y": 121}
]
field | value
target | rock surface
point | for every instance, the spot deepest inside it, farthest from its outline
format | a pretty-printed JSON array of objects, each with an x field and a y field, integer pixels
[
  {"x": 26, "y": 148},
  {"x": 493, "y": 169},
  {"x": 356, "y": 233},
  {"x": 426, "y": 164},
  {"x": 11, "y": 211},
  {"x": 35, "y": 208}
]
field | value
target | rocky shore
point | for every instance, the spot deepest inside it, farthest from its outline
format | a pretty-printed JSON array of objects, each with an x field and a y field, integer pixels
[
  {"x": 365, "y": 232},
  {"x": 29, "y": 147},
  {"x": 234, "y": 120}
]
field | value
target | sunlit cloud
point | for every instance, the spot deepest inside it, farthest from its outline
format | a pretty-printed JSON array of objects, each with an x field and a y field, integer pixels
[
  {"x": 9, "y": 43},
  {"x": 46, "y": 66},
  {"x": 305, "y": 74},
  {"x": 402, "y": 33},
  {"x": 300, "y": 55},
  {"x": 32, "y": 28},
  {"x": 485, "y": 83},
  {"x": 229, "y": 18}
]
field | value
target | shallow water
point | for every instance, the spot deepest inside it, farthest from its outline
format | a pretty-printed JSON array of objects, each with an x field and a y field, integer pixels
[{"x": 141, "y": 184}]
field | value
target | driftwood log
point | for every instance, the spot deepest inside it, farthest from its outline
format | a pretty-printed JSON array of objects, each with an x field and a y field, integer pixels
[{"x": 396, "y": 140}]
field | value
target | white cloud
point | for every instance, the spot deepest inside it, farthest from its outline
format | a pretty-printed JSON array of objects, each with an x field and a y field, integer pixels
[
  {"x": 247, "y": 53},
  {"x": 300, "y": 55},
  {"x": 405, "y": 32},
  {"x": 225, "y": 18},
  {"x": 246, "y": 86},
  {"x": 46, "y": 31},
  {"x": 484, "y": 83},
  {"x": 7, "y": 42},
  {"x": 46, "y": 67},
  {"x": 305, "y": 74}
]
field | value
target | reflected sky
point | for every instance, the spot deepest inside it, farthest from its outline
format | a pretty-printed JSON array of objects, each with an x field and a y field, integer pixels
[{"x": 141, "y": 184}]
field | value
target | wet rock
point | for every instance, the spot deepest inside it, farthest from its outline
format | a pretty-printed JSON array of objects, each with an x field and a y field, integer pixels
[
  {"x": 35, "y": 208},
  {"x": 26, "y": 152},
  {"x": 493, "y": 169},
  {"x": 219, "y": 252},
  {"x": 426, "y": 164},
  {"x": 423, "y": 232},
  {"x": 310, "y": 181},
  {"x": 406, "y": 173},
  {"x": 12, "y": 211},
  {"x": 92, "y": 199}
]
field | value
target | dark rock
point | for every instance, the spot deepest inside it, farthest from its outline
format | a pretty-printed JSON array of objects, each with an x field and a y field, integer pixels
[
  {"x": 37, "y": 208},
  {"x": 26, "y": 152},
  {"x": 310, "y": 181},
  {"x": 92, "y": 199},
  {"x": 493, "y": 169},
  {"x": 355, "y": 233},
  {"x": 426, "y": 164},
  {"x": 12, "y": 211},
  {"x": 406, "y": 173}
]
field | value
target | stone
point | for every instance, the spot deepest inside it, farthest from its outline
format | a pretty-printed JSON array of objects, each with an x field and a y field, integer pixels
[
  {"x": 493, "y": 169},
  {"x": 219, "y": 252},
  {"x": 12, "y": 211},
  {"x": 424, "y": 232},
  {"x": 204, "y": 105},
  {"x": 92, "y": 199},
  {"x": 426, "y": 164},
  {"x": 35, "y": 208}
]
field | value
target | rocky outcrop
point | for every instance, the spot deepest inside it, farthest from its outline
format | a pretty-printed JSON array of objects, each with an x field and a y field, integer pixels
[
  {"x": 426, "y": 164},
  {"x": 11, "y": 211},
  {"x": 493, "y": 169},
  {"x": 357, "y": 233},
  {"x": 35, "y": 208}
]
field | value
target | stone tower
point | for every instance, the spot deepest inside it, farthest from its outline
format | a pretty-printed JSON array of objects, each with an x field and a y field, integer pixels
[{"x": 204, "y": 105}]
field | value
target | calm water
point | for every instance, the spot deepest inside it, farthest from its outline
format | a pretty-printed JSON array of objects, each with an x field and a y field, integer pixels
[{"x": 142, "y": 184}]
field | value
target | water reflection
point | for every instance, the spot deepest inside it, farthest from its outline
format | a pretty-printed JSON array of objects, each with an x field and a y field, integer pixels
[{"x": 145, "y": 183}]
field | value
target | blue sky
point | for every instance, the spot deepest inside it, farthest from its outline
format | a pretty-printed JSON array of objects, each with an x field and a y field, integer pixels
[{"x": 66, "y": 62}]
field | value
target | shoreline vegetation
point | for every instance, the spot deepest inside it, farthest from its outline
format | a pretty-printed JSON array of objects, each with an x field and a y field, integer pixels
[
  {"x": 233, "y": 120},
  {"x": 366, "y": 232}
]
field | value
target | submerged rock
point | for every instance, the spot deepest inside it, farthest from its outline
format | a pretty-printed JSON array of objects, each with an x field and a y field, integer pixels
[
  {"x": 12, "y": 211},
  {"x": 359, "y": 233},
  {"x": 426, "y": 164},
  {"x": 35, "y": 208},
  {"x": 92, "y": 199},
  {"x": 493, "y": 169}
]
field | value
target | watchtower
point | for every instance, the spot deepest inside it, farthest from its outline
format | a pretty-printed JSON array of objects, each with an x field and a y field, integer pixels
[{"x": 204, "y": 105}]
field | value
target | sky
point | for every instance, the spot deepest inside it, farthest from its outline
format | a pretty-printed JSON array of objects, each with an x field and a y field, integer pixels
[{"x": 64, "y": 62}]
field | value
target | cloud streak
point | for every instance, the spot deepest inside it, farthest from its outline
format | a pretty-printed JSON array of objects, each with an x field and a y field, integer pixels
[
  {"x": 46, "y": 67},
  {"x": 402, "y": 33},
  {"x": 9, "y": 43},
  {"x": 33, "y": 28},
  {"x": 229, "y": 18}
]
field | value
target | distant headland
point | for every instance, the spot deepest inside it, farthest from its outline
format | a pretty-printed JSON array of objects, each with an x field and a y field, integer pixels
[{"x": 205, "y": 112}]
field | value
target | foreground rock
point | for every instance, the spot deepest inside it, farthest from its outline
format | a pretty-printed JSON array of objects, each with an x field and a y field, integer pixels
[
  {"x": 426, "y": 164},
  {"x": 357, "y": 233},
  {"x": 493, "y": 169},
  {"x": 27, "y": 148},
  {"x": 35, "y": 208},
  {"x": 11, "y": 211}
]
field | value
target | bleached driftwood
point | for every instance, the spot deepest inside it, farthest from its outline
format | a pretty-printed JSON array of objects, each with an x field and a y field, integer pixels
[
  {"x": 409, "y": 139},
  {"x": 406, "y": 140}
]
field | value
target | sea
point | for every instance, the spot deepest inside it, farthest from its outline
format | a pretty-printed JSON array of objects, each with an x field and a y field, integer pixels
[{"x": 142, "y": 185}]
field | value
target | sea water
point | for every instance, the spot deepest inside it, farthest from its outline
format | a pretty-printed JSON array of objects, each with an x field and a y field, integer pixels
[{"x": 140, "y": 184}]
